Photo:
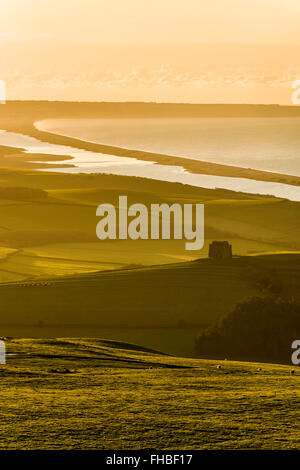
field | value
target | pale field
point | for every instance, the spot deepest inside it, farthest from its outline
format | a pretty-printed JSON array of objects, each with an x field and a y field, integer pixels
[
  {"x": 56, "y": 235},
  {"x": 78, "y": 258},
  {"x": 118, "y": 396}
]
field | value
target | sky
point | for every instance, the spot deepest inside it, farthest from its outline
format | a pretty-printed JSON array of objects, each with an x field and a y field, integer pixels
[{"x": 150, "y": 50}]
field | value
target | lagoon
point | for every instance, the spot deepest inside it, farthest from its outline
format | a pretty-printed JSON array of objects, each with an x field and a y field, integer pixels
[{"x": 84, "y": 161}]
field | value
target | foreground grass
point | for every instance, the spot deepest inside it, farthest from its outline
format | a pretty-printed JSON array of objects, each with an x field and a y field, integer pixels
[{"x": 119, "y": 396}]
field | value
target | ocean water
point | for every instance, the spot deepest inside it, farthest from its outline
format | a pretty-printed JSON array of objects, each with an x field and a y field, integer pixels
[
  {"x": 94, "y": 162},
  {"x": 271, "y": 144}
]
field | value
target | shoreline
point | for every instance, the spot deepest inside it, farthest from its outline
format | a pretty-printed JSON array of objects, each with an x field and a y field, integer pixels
[
  {"x": 21, "y": 116},
  {"x": 190, "y": 165},
  {"x": 134, "y": 167},
  {"x": 42, "y": 126}
]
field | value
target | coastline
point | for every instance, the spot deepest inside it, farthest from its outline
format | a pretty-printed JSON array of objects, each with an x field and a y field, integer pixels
[
  {"x": 190, "y": 165},
  {"x": 262, "y": 144},
  {"x": 20, "y": 117},
  {"x": 90, "y": 162}
]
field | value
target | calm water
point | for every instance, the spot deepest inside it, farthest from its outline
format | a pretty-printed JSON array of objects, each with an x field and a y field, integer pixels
[
  {"x": 95, "y": 162},
  {"x": 271, "y": 144}
]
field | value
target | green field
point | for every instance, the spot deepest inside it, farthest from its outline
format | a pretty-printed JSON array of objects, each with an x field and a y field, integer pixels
[
  {"x": 189, "y": 294},
  {"x": 94, "y": 394},
  {"x": 55, "y": 235},
  {"x": 55, "y": 272},
  {"x": 59, "y": 282}
]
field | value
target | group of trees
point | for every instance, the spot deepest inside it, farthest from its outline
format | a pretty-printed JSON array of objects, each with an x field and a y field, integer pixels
[{"x": 260, "y": 329}]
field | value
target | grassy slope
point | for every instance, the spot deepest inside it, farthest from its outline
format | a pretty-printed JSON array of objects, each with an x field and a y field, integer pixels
[
  {"x": 56, "y": 235},
  {"x": 140, "y": 399},
  {"x": 196, "y": 293},
  {"x": 193, "y": 406},
  {"x": 253, "y": 224}
]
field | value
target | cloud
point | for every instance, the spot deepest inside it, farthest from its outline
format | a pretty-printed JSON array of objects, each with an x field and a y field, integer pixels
[{"x": 164, "y": 76}]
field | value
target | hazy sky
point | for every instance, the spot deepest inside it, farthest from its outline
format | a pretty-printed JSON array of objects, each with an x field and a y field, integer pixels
[{"x": 165, "y": 50}]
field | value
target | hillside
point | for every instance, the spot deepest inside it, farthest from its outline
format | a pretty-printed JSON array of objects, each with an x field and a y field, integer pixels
[
  {"x": 185, "y": 294},
  {"x": 48, "y": 221},
  {"x": 141, "y": 399}
]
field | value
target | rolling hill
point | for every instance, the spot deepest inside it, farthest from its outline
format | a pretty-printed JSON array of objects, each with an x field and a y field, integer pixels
[
  {"x": 185, "y": 294},
  {"x": 95, "y": 394}
]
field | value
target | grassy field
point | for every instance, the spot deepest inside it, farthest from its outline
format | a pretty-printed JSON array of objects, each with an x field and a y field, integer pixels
[
  {"x": 57, "y": 234},
  {"x": 63, "y": 275},
  {"x": 56, "y": 277},
  {"x": 185, "y": 294},
  {"x": 94, "y": 394}
]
